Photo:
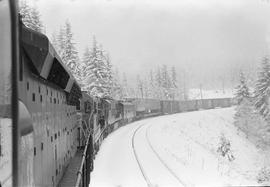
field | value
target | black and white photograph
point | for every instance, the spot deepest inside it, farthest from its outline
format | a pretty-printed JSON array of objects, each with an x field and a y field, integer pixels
[{"x": 134, "y": 93}]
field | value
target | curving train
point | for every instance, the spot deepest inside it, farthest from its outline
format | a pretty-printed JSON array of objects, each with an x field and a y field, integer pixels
[{"x": 64, "y": 119}]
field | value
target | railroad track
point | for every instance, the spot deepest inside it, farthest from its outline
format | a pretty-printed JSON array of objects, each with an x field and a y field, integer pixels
[
  {"x": 144, "y": 174},
  {"x": 146, "y": 178},
  {"x": 161, "y": 160}
]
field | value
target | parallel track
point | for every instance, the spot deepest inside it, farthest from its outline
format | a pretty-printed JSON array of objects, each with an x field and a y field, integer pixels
[
  {"x": 146, "y": 178},
  {"x": 161, "y": 160}
]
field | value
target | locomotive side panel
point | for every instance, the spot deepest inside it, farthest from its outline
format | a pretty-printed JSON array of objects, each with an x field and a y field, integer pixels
[
  {"x": 47, "y": 150},
  {"x": 52, "y": 147}
]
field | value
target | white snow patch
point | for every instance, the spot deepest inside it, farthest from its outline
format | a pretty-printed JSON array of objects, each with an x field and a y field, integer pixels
[{"x": 189, "y": 143}]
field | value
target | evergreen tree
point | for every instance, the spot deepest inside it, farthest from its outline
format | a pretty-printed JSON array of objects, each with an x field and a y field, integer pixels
[
  {"x": 55, "y": 42},
  {"x": 166, "y": 82},
  {"x": 30, "y": 16},
  {"x": 98, "y": 70},
  {"x": 61, "y": 41},
  {"x": 118, "y": 91},
  {"x": 159, "y": 83},
  {"x": 174, "y": 77},
  {"x": 140, "y": 87},
  {"x": 262, "y": 89},
  {"x": 248, "y": 120},
  {"x": 152, "y": 86},
  {"x": 109, "y": 74},
  {"x": 69, "y": 53},
  {"x": 164, "y": 77},
  {"x": 125, "y": 86},
  {"x": 37, "y": 24},
  {"x": 242, "y": 90},
  {"x": 82, "y": 73},
  {"x": 158, "y": 77},
  {"x": 174, "y": 82},
  {"x": 146, "y": 89}
]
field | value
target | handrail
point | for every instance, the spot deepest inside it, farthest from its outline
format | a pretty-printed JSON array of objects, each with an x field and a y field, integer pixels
[
  {"x": 83, "y": 172},
  {"x": 99, "y": 135},
  {"x": 89, "y": 119},
  {"x": 79, "y": 173}
]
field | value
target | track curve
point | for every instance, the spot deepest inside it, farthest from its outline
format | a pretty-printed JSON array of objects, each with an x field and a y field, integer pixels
[
  {"x": 146, "y": 178},
  {"x": 160, "y": 159},
  {"x": 139, "y": 162}
]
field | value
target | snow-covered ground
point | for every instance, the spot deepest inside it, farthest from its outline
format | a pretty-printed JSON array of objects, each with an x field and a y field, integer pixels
[
  {"x": 178, "y": 150},
  {"x": 5, "y": 157}
]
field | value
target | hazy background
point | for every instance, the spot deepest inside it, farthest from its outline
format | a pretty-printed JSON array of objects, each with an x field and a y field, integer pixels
[{"x": 206, "y": 39}]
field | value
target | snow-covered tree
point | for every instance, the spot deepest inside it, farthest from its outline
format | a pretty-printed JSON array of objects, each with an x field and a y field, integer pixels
[
  {"x": 152, "y": 86},
  {"x": 262, "y": 89},
  {"x": 174, "y": 83},
  {"x": 183, "y": 84},
  {"x": 158, "y": 79},
  {"x": 117, "y": 89},
  {"x": 252, "y": 113},
  {"x": 166, "y": 83},
  {"x": 224, "y": 148},
  {"x": 30, "y": 16},
  {"x": 242, "y": 90},
  {"x": 249, "y": 121},
  {"x": 109, "y": 73},
  {"x": 140, "y": 87},
  {"x": 69, "y": 54},
  {"x": 86, "y": 59},
  {"x": 98, "y": 76},
  {"x": 96, "y": 73},
  {"x": 61, "y": 41},
  {"x": 146, "y": 88},
  {"x": 54, "y": 42},
  {"x": 174, "y": 77},
  {"x": 37, "y": 24},
  {"x": 125, "y": 86}
]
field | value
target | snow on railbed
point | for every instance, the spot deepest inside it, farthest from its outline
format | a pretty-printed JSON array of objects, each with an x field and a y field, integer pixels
[{"x": 188, "y": 142}]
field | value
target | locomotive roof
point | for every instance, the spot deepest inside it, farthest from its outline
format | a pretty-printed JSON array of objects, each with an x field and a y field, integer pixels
[{"x": 45, "y": 59}]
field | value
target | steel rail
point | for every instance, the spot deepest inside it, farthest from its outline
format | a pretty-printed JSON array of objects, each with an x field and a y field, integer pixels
[
  {"x": 137, "y": 158},
  {"x": 161, "y": 160}
]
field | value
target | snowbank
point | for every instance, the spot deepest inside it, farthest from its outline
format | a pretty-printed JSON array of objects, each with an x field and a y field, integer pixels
[{"x": 189, "y": 142}]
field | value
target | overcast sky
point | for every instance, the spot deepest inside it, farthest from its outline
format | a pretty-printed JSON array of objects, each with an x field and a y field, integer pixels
[{"x": 203, "y": 37}]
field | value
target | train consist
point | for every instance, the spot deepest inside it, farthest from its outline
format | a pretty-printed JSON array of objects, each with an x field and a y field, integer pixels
[{"x": 64, "y": 118}]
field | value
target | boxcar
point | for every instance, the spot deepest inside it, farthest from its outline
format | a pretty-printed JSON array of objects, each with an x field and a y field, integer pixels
[
  {"x": 128, "y": 112},
  {"x": 169, "y": 106},
  {"x": 114, "y": 114},
  {"x": 207, "y": 103},
  {"x": 221, "y": 102}
]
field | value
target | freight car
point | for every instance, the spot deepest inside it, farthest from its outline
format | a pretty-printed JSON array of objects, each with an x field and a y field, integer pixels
[
  {"x": 128, "y": 112},
  {"x": 169, "y": 106},
  {"x": 193, "y": 105},
  {"x": 146, "y": 107}
]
